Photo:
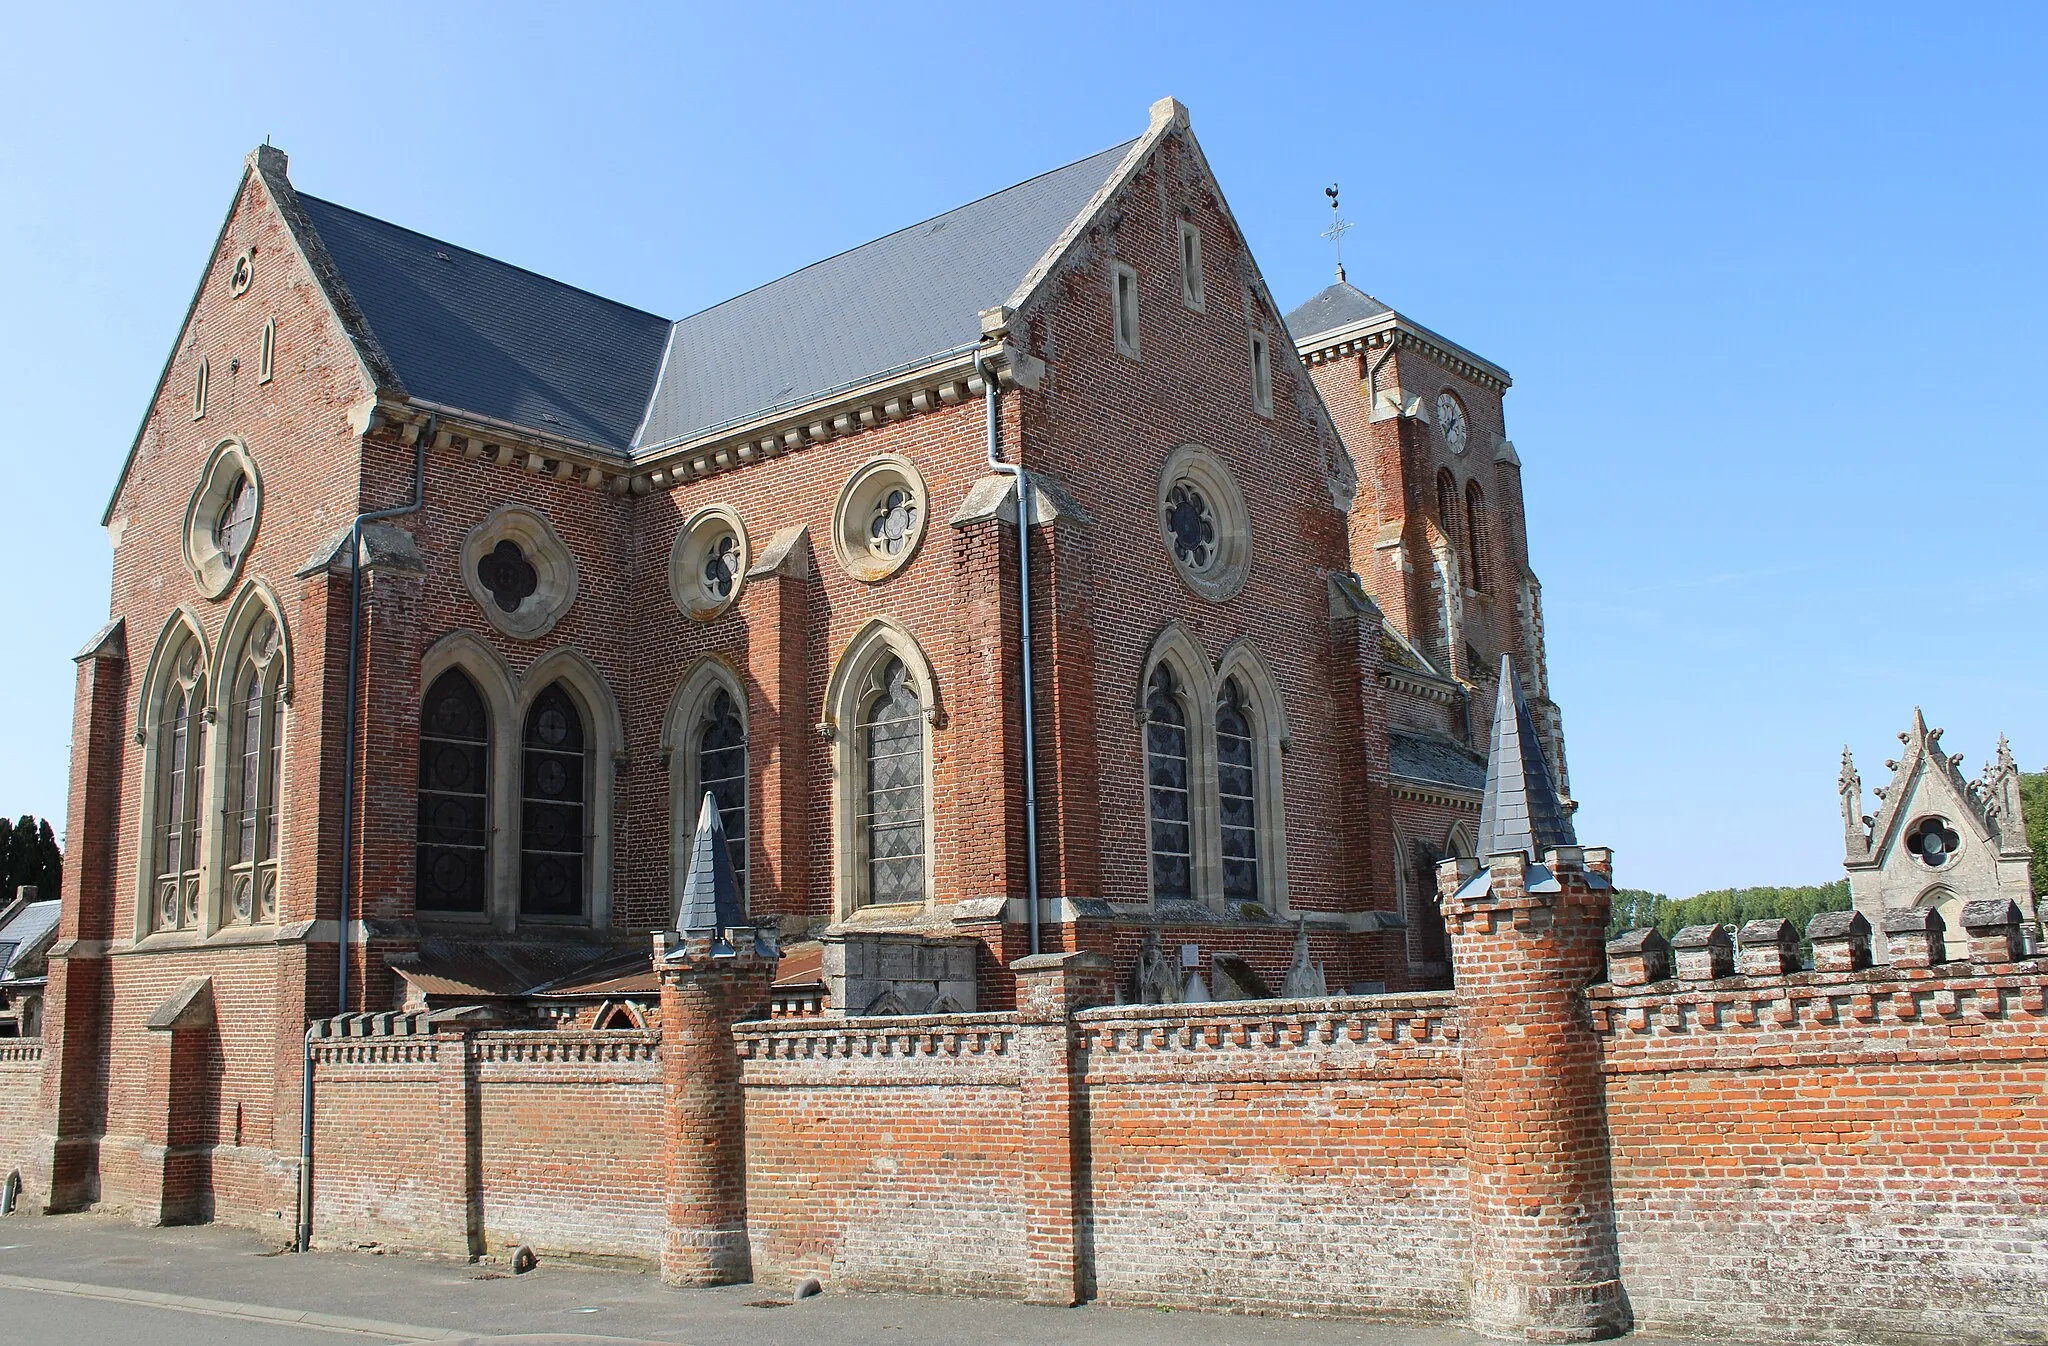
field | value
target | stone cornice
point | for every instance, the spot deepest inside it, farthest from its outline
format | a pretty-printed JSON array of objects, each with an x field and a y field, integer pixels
[
  {"x": 1420, "y": 684},
  {"x": 1392, "y": 330},
  {"x": 1434, "y": 792}
]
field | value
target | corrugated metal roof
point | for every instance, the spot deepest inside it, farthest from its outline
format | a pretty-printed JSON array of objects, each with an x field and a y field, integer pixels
[
  {"x": 887, "y": 305},
  {"x": 1338, "y": 306},
  {"x": 467, "y": 331}
]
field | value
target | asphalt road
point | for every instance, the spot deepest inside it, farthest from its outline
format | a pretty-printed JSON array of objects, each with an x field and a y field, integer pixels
[{"x": 102, "y": 1282}]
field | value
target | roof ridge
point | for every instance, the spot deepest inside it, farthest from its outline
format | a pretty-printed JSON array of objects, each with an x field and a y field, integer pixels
[
  {"x": 916, "y": 224},
  {"x": 495, "y": 261}
]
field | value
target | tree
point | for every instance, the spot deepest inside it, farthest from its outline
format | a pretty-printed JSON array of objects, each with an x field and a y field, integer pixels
[
  {"x": 2034, "y": 803},
  {"x": 29, "y": 855},
  {"x": 1633, "y": 909}
]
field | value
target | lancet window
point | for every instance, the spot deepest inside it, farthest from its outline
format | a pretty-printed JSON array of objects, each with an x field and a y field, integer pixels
[
  {"x": 891, "y": 819},
  {"x": 255, "y": 758},
  {"x": 180, "y": 794},
  {"x": 553, "y": 835},
  {"x": 722, "y": 773},
  {"x": 454, "y": 798},
  {"x": 1168, "y": 799}
]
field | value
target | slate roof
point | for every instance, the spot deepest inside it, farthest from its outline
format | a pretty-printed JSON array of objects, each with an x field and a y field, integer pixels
[
  {"x": 27, "y": 935},
  {"x": 1520, "y": 810},
  {"x": 1338, "y": 306},
  {"x": 890, "y": 304},
  {"x": 467, "y": 331},
  {"x": 1436, "y": 759}
]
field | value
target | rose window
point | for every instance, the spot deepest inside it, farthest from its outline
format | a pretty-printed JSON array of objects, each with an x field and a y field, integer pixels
[
  {"x": 894, "y": 524},
  {"x": 722, "y": 567},
  {"x": 505, "y": 571},
  {"x": 1191, "y": 523},
  {"x": 1934, "y": 841}
]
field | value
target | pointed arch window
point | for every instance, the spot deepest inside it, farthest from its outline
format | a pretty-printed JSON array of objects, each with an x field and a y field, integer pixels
[
  {"x": 255, "y": 772},
  {"x": 891, "y": 819},
  {"x": 1167, "y": 789},
  {"x": 1237, "y": 794},
  {"x": 1475, "y": 536},
  {"x": 1447, "y": 505},
  {"x": 553, "y": 836},
  {"x": 454, "y": 797},
  {"x": 722, "y": 772},
  {"x": 180, "y": 790}
]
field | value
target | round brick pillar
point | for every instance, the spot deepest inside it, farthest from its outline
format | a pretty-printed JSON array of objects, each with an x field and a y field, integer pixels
[
  {"x": 1526, "y": 941},
  {"x": 702, "y": 997}
]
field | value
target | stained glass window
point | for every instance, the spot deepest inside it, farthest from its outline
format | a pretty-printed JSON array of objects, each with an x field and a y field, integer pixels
[
  {"x": 181, "y": 785},
  {"x": 1191, "y": 523},
  {"x": 551, "y": 833},
  {"x": 454, "y": 820},
  {"x": 1166, "y": 788},
  {"x": 1237, "y": 796},
  {"x": 722, "y": 770},
  {"x": 722, "y": 567},
  {"x": 510, "y": 577},
  {"x": 894, "y": 523},
  {"x": 892, "y": 817}
]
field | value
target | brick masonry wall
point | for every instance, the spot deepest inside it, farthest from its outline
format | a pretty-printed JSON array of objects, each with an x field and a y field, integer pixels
[
  {"x": 461, "y": 1143},
  {"x": 1287, "y": 1156},
  {"x": 21, "y": 1082},
  {"x": 885, "y": 1153},
  {"x": 1833, "y": 1154}
]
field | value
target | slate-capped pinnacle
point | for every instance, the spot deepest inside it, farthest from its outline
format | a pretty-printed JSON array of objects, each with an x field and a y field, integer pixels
[
  {"x": 711, "y": 895},
  {"x": 1520, "y": 810}
]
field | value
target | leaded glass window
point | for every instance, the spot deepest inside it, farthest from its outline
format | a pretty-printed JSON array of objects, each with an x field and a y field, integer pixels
[
  {"x": 236, "y": 522},
  {"x": 722, "y": 567},
  {"x": 1166, "y": 788},
  {"x": 722, "y": 771},
  {"x": 1237, "y": 796},
  {"x": 891, "y": 821},
  {"x": 893, "y": 525},
  {"x": 181, "y": 786},
  {"x": 255, "y": 752},
  {"x": 454, "y": 820},
  {"x": 1191, "y": 524},
  {"x": 552, "y": 839}
]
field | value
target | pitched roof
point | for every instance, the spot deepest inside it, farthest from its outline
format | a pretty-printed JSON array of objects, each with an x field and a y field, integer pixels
[
  {"x": 1338, "y": 306},
  {"x": 467, "y": 331},
  {"x": 1436, "y": 759},
  {"x": 1520, "y": 810},
  {"x": 887, "y": 305},
  {"x": 27, "y": 934}
]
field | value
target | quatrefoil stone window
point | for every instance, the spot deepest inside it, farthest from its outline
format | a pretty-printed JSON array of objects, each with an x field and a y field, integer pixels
[{"x": 519, "y": 571}]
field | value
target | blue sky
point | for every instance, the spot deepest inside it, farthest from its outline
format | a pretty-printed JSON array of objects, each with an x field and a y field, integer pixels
[{"x": 1769, "y": 279}]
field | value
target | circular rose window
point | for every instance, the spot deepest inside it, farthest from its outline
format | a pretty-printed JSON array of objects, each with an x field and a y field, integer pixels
[
  {"x": 880, "y": 518},
  {"x": 707, "y": 565},
  {"x": 1202, "y": 521}
]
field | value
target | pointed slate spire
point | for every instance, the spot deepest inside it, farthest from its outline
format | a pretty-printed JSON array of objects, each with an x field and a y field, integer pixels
[
  {"x": 711, "y": 895},
  {"x": 1520, "y": 810}
]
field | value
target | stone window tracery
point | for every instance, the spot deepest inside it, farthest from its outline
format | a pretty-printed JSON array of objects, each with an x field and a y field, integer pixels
[
  {"x": 222, "y": 518},
  {"x": 1204, "y": 523},
  {"x": 880, "y": 518},
  {"x": 891, "y": 822},
  {"x": 508, "y": 575},
  {"x": 181, "y": 788},
  {"x": 237, "y": 521},
  {"x": 1933, "y": 842},
  {"x": 255, "y": 763},
  {"x": 1169, "y": 811},
  {"x": 892, "y": 523},
  {"x": 519, "y": 571},
  {"x": 454, "y": 798},
  {"x": 722, "y": 773},
  {"x": 551, "y": 832},
  {"x": 707, "y": 564},
  {"x": 1237, "y": 796}
]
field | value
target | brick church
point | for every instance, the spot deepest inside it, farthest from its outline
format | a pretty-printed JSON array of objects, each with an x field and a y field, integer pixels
[{"x": 444, "y": 594}]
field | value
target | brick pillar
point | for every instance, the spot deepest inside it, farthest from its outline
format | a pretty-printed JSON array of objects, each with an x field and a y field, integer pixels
[
  {"x": 1050, "y": 987},
  {"x": 1526, "y": 941},
  {"x": 62, "y": 1171},
  {"x": 981, "y": 808},
  {"x": 461, "y": 1141},
  {"x": 783, "y": 720},
  {"x": 387, "y": 766},
  {"x": 702, "y": 996}
]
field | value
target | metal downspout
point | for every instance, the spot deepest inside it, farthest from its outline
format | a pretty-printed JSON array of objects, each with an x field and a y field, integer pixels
[
  {"x": 348, "y": 799},
  {"x": 991, "y": 395}
]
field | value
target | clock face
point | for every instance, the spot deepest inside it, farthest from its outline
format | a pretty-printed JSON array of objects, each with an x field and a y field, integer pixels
[{"x": 1451, "y": 416}]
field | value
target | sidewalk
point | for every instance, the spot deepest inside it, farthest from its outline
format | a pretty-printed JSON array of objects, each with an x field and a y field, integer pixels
[{"x": 85, "y": 1265}]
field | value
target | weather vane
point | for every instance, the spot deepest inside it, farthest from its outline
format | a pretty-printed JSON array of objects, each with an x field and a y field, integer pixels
[{"x": 1335, "y": 233}]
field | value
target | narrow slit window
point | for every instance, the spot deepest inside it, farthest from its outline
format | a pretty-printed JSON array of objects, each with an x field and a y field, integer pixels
[
  {"x": 199, "y": 392},
  {"x": 1191, "y": 266},
  {"x": 1125, "y": 282},
  {"x": 1262, "y": 374},
  {"x": 266, "y": 352}
]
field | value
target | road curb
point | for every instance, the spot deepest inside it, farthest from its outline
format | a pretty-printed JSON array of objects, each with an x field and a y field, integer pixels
[{"x": 224, "y": 1308}]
